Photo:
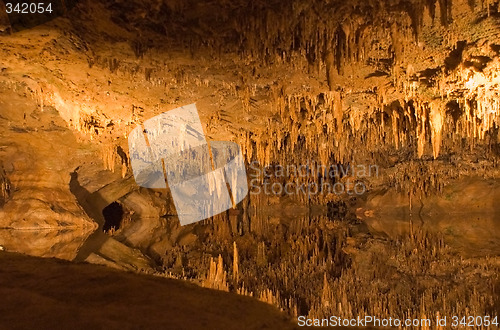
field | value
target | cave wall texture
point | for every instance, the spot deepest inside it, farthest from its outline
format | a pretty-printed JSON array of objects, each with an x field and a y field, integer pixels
[{"x": 335, "y": 82}]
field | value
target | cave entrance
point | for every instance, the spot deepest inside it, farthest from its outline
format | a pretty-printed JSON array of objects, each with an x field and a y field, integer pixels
[{"x": 113, "y": 216}]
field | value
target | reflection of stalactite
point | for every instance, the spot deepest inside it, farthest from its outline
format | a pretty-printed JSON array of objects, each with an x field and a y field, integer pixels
[
  {"x": 217, "y": 276},
  {"x": 5, "y": 186},
  {"x": 244, "y": 291},
  {"x": 357, "y": 292},
  {"x": 261, "y": 254},
  {"x": 269, "y": 297},
  {"x": 326, "y": 296},
  {"x": 236, "y": 272}
]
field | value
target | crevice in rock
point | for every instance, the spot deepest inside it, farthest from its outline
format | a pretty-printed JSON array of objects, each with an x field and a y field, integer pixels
[{"x": 113, "y": 215}]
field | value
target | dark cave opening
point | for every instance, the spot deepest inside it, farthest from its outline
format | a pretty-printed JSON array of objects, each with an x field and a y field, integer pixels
[{"x": 113, "y": 216}]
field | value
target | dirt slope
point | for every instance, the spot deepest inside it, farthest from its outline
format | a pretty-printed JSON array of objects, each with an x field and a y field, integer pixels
[{"x": 53, "y": 294}]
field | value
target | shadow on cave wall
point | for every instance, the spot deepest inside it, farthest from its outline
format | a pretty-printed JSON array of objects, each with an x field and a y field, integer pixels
[{"x": 95, "y": 241}]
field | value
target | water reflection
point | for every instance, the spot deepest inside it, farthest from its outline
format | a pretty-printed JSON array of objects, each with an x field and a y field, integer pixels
[
  {"x": 47, "y": 243},
  {"x": 470, "y": 234}
]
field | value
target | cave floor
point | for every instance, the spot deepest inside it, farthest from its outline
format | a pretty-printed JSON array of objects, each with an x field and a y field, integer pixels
[{"x": 54, "y": 294}]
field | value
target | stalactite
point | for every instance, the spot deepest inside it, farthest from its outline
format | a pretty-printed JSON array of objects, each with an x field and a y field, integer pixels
[
  {"x": 108, "y": 154},
  {"x": 421, "y": 117},
  {"x": 436, "y": 118}
]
